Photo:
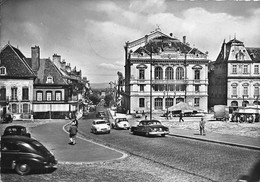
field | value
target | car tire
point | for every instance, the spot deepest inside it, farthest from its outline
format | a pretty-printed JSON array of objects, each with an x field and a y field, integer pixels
[
  {"x": 23, "y": 168},
  {"x": 163, "y": 135},
  {"x": 108, "y": 132},
  {"x": 147, "y": 133}
]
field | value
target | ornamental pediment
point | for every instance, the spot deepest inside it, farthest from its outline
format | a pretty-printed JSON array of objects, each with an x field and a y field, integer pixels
[
  {"x": 197, "y": 67},
  {"x": 141, "y": 66}
]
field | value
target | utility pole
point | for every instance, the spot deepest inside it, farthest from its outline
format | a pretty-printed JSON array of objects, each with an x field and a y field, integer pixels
[{"x": 151, "y": 93}]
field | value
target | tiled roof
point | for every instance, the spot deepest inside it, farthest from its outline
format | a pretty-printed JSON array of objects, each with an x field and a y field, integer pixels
[
  {"x": 48, "y": 68},
  {"x": 254, "y": 53},
  {"x": 14, "y": 62}
]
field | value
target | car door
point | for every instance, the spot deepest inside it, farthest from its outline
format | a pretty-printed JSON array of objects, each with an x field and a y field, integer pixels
[{"x": 9, "y": 153}]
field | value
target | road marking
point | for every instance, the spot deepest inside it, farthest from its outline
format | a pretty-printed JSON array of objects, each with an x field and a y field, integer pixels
[{"x": 82, "y": 138}]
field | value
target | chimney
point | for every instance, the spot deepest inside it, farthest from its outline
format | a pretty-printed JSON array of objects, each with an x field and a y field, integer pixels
[
  {"x": 146, "y": 39},
  {"x": 184, "y": 39},
  {"x": 171, "y": 34},
  {"x": 57, "y": 60},
  {"x": 224, "y": 49},
  {"x": 35, "y": 58}
]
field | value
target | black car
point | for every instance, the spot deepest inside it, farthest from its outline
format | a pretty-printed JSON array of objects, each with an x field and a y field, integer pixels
[
  {"x": 16, "y": 130},
  {"x": 7, "y": 118},
  {"x": 25, "y": 154},
  {"x": 101, "y": 114},
  {"x": 150, "y": 128}
]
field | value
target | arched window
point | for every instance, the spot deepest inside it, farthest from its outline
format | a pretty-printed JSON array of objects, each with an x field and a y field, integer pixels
[
  {"x": 168, "y": 102},
  {"x": 234, "y": 103},
  {"x": 179, "y": 73},
  {"x": 197, "y": 74},
  {"x": 245, "y": 103},
  {"x": 169, "y": 73},
  {"x": 158, "y": 73},
  {"x": 158, "y": 103}
]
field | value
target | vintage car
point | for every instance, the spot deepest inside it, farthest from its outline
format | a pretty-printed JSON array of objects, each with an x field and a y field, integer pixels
[
  {"x": 16, "y": 130},
  {"x": 121, "y": 123},
  {"x": 100, "y": 114},
  {"x": 150, "y": 128},
  {"x": 24, "y": 154},
  {"x": 7, "y": 118},
  {"x": 100, "y": 126}
]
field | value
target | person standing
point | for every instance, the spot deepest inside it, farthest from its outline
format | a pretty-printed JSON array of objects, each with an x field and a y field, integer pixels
[
  {"x": 202, "y": 126},
  {"x": 73, "y": 130},
  {"x": 181, "y": 119}
]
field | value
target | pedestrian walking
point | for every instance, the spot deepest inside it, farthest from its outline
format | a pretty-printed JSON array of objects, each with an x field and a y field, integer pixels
[
  {"x": 145, "y": 117},
  {"x": 202, "y": 126},
  {"x": 73, "y": 130},
  {"x": 181, "y": 119}
]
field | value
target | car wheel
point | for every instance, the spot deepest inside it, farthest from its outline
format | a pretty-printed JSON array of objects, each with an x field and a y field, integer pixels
[
  {"x": 163, "y": 135},
  {"x": 147, "y": 133},
  {"x": 22, "y": 168},
  {"x": 108, "y": 132}
]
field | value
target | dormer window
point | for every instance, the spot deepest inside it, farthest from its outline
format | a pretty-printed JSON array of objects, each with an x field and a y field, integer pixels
[
  {"x": 49, "y": 79},
  {"x": 2, "y": 70}
]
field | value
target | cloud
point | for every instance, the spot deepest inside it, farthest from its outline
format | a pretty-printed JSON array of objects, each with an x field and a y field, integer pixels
[
  {"x": 111, "y": 67},
  {"x": 148, "y": 6}
]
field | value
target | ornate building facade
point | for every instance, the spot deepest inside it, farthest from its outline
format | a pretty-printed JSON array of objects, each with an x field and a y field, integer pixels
[
  {"x": 235, "y": 76},
  {"x": 161, "y": 71}
]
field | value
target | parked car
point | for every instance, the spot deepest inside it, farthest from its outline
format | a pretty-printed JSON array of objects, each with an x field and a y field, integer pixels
[
  {"x": 150, "y": 128},
  {"x": 101, "y": 114},
  {"x": 24, "y": 154},
  {"x": 16, "y": 130},
  {"x": 121, "y": 123},
  {"x": 138, "y": 114},
  {"x": 7, "y": 118},
  {"x": 100, "y": 126}
]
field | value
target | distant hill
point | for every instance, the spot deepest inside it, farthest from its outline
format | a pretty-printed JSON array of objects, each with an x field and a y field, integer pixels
[{"x": 99, "y": 85}]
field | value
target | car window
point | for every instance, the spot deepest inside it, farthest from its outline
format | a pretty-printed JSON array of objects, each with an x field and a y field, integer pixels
[{"x": 100, "y": 122}]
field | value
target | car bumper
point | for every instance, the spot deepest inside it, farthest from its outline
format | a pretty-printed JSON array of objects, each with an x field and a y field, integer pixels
[
  {"x": 51, "y": 165},
  {"x": 103, "y": 131},
  {"x": 158, "y": 133}
]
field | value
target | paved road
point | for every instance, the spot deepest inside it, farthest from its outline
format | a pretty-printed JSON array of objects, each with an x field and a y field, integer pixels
[
  {"x": 57, "y": 141},
  {"x": 209, "y": 161}
]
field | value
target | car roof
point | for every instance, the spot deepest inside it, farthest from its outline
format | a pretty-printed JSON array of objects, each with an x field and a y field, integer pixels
[
  {"x": 15, "y": 126},
  {"x": 17, "y": 138},
  {"x": 99, "y": 120}
]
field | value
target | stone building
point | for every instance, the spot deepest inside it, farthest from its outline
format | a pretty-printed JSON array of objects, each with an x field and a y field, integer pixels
[
  {"x": 16, "y": 83},
  {"x": 163, "y": 69},
  {"x": 234, "y": 79}
]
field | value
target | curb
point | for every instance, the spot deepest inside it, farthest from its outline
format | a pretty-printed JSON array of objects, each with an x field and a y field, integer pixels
[{"x": 218, "y": 142}]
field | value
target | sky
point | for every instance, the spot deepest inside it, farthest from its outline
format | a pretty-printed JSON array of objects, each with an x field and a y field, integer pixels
[{"x": 91, "y": 34}]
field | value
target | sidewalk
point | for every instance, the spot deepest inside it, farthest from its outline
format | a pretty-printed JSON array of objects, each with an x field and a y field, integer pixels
[{"x": 232, "y": 140}]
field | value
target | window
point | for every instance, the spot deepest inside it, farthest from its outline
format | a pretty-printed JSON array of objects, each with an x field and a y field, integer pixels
[
  {"x": 179, "y": 73},
  {"x": 180, "y": 87},
  {"x": 234, "y": 69},
  {"x": 256, "y": 91},
  {"x": 14, "y": 93},
  {"x": 25, "y": 93},
  {"x": 234, "y": 90},
  {"x": 197, "y": 74},
  {"x": 196, "y": 101},
  {"x": 141, "y": 102},
  {"x": 58, "y": 95},
  {"x": 234, "y": 103},
  {"x": 2, "y": 70},
  {"x": 141, "y": 88},
  {"x": 178, "y": 100},
  {"x": 158, "y": 103},
  {"x": 245, "y": 69},
  {"x": 48, "y": 95},
  {"x": 25, "y": 108},
  {"x": 2, "y": 93},
  {"x": 245, "y": 91},
  {"x": 169, "y": 73},
  {"x": 49, "y": 79},
  {"x": 168, "y": 102},
  {"x": 39, "y": 95},
  {"x": 158, "y": 73},
  {"x": 141, "y": 74},
  {"x": 256, "y": 69},
  {"x": 197, "y": 88},
  {"x": 14, "y": 108},
  {"x": 158, "y": 87}
]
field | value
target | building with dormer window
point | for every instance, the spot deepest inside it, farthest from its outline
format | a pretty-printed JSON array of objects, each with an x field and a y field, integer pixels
[
  {"x": 235, "y": 78},
  {"x": 16, "y": 83},
  {"x": 166, "y": 68}
]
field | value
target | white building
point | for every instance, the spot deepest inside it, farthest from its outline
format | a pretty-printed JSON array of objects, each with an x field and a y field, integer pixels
[{"x": 175, "y": 71}]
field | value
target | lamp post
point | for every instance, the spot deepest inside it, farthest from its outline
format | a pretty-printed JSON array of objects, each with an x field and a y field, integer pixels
[{"x": 151, "y": 93}]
